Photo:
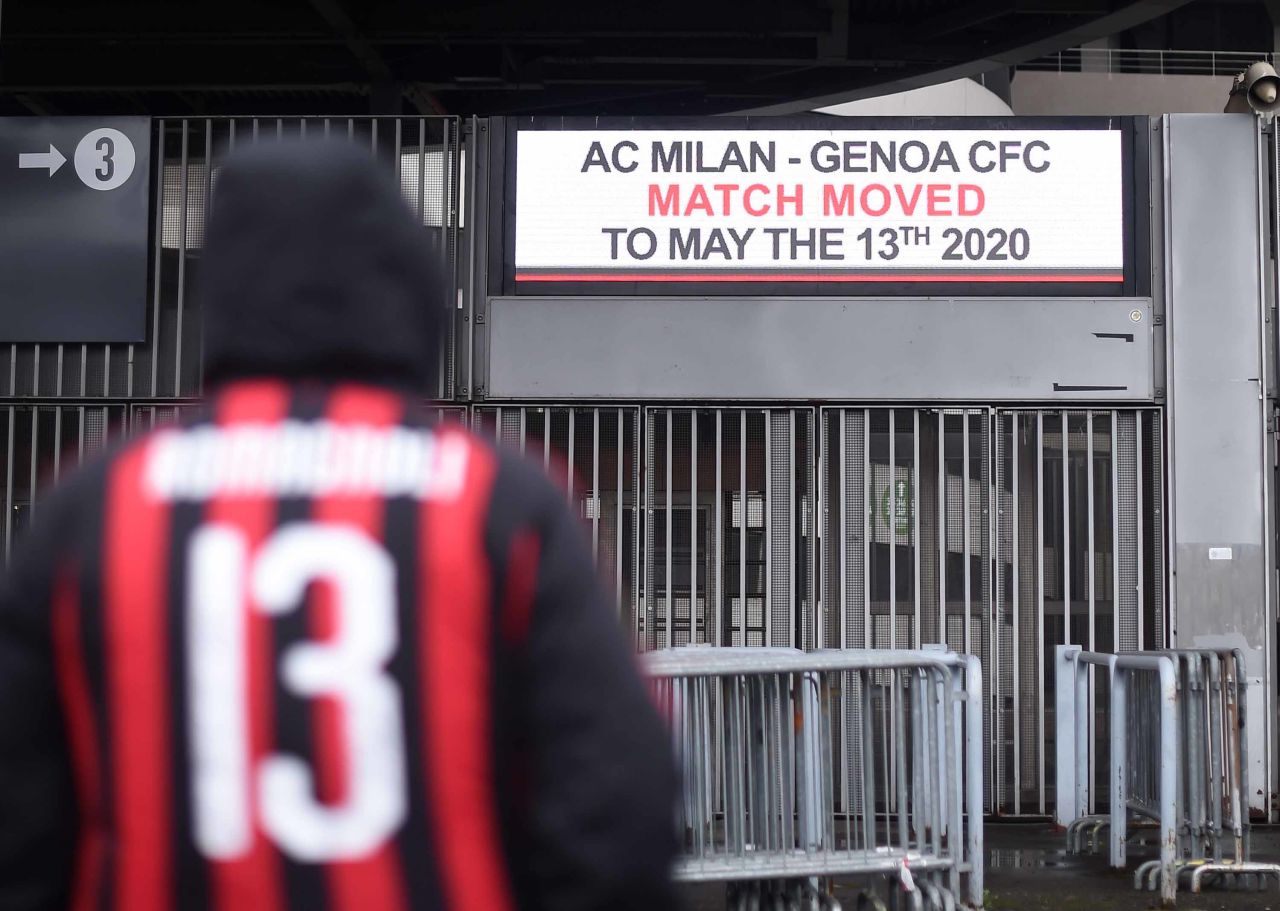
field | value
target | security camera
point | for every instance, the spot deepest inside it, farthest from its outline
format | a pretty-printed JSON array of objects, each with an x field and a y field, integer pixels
[{"x": 1257, "y": 89}]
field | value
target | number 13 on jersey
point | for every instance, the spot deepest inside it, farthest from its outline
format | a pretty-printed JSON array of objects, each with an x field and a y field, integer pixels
[{"x": 350, "y": 668}]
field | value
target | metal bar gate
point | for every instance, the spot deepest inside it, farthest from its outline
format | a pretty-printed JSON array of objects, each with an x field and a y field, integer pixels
[{"x": 1001, "y": 533}]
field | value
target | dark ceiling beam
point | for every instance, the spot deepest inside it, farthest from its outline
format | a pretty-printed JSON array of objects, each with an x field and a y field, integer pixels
[
  {"x": 608, "y": 60},
  {"x": 976, "y": 14},
  {"x": 76, "y": 39},
  {"x": 835, "y": 44},
  {"x": 38, "y": 106},
  {"x": 406, "y": 37},
  {"x": 423, "y": 100},
  {"x": 331, "y": 12},
  {"x": 256, "y": 88},
  {"x": 373, "y": 62},
  {"x": 964, "y": 16}
]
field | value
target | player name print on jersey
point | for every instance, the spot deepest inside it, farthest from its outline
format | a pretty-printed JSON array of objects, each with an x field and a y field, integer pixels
[{"x": 307, "y": 459}]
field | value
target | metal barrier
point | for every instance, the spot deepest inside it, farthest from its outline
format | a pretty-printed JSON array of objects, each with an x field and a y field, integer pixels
[
  {"x": 1152, "y": 61},
  {"x": 1177, "y": 746},
  {"x": 758, "y": 733}
]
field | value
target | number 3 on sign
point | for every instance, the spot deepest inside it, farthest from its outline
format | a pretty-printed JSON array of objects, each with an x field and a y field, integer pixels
[
  {"x": 350, "y": 669},
  {"x": 104, "y": 159}
]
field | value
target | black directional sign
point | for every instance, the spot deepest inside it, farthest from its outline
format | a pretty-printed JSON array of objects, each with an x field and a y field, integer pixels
[{"x": 73, "y": 228}]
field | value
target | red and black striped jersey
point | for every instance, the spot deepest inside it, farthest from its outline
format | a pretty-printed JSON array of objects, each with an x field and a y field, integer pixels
[{"x": 312, "y": 652}]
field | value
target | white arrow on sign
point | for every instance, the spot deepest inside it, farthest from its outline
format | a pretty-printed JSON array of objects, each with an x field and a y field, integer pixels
[{"x": 52, "y": 159}]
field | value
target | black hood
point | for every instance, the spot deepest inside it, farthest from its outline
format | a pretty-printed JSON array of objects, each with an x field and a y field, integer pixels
[{"x": 314, "y": 268}]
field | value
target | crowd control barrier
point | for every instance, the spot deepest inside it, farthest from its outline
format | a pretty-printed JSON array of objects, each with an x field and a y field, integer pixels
[
  {"x": 1176, "y": 747},
  {"x": 762, "y": 735}
]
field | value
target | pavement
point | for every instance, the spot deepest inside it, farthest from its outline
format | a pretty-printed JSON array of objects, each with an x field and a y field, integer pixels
[{"x": 1028, "y": 869}]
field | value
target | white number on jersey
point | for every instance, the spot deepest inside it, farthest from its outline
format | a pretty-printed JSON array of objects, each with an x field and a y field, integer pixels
[{"x": 349, "y": 668}]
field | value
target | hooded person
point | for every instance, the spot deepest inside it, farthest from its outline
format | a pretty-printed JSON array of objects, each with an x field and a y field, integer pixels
[{"x": 310, "y": 650}]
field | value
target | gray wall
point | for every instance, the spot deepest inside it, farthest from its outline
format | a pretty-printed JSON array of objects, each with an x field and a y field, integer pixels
[
  {"x": 1094, "y": 94},
  {"x": 1216, "y": 409},
  {"x": 906, "y": 349}
]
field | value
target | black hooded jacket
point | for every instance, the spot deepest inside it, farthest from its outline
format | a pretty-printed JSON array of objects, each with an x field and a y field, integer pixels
[{"x": 311, "y": 651}]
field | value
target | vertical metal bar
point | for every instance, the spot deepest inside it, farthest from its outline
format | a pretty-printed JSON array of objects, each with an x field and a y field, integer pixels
[
  {"x": 989, "y": 613},
  {"x": 867, "y": 752},
  {"x": 768, "y": 526},
  {"x": 964, "y": 487},
  {"x": 595, "y": 479},
  {"x": 844, "y": 541},
  {"x": 1066, "y": 531},
  {"x": 822, "y": 602},
  {"x": 57, "y": 442},
  {"x": 572, "y": 439},
  {"x": 718, "y": 638},
  {"x": 891, "y": 516},
  {"x": 671, "y": 640},
  {"x": 158, "y": 253},
  {"x": 942, "y": 525},
  {"x": 182, "y": 264},
  {"x": 497, "y": 425},
  {"x": 638, "y": 470},
  {"x": 546, "y": 440},
  {"x": 693, "y": 530},
  {"x": 1092, "y": 560},
  {"x": 208, "y": 193},
  {"x": 900, "y": 693},
  {"x": 646, "y": 472},
  {"x": 1016, "y": 520},
  {"x": 1115, "y": 535},
  {"x": 472, "y": 233},
  {"x": 422, "y": 171},
  {"x": 1040, "y": 598},
  {"x": 617, "y": 551},
  {"x": 915, "y": 522},
  {"x": 868, "y": 492},
  {"x": 35, "y": 464},
  {"x": 1092, "y": 556},
  {"x": 451, "y": 171},
  {"x": 742, "y": 525},
  {"x": 399, "y": 136},
  {"x": 8, "y": 488},
  {"x": 524, "y": 429},
  {"x": 1138, "y": 502},
  {"x": 792, "y": 531}
]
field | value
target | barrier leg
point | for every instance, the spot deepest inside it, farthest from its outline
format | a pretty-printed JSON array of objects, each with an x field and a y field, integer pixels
[
  {"x": 1119, "y": 769},
  {"x": 1168, "y": 783},
  {"x": 973, "y": 774}
]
